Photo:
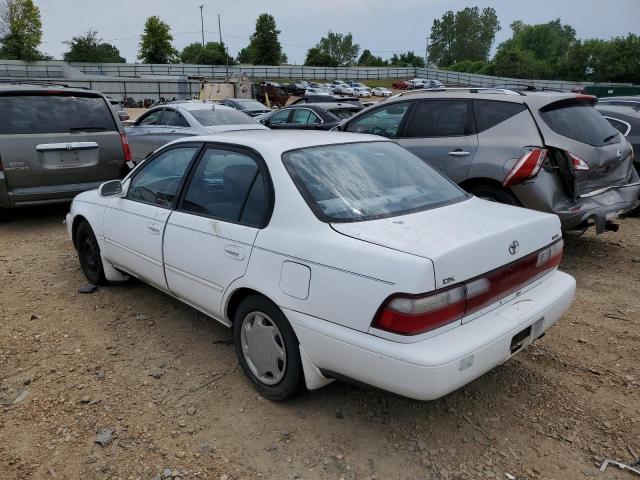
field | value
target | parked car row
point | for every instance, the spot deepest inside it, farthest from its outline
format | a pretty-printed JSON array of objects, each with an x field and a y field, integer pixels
[{"x": 339, "y": 254}]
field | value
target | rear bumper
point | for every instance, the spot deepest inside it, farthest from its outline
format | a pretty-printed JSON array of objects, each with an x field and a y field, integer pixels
[
  {"x": 43, "y": 195},
  {"x": 546, "y": 193},
  {"x": 434, "y": 367}
]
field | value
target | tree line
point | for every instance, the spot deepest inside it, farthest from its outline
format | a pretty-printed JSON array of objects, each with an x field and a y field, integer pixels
[{"x": 459, "y": 41}]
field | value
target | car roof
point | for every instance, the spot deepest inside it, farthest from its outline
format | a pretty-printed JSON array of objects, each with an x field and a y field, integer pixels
[
  {"x": 45, "y": 87},
  {"x": 534, "y": 99},
  {"x": 328, "y": 105},
  {"x": 279, "y": 141},
  {"x": 192, "y": 106}
]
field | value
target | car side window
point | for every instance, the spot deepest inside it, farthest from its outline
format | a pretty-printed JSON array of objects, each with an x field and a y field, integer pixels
[
  {"x": 383, "y": 121},
  {"x": 619, "y": 125},
  {"x": 303, "y": 115},
  {"x": 490, "y": 113},
  {"x": 280, "y": 117},
  {"x": 173, "y": 119},
  {"x": 160, "y": 178},
  {"x": 228, "y": 186},
  {"x": 153, "y": 118},
  {"x": 441, "y": 118}
]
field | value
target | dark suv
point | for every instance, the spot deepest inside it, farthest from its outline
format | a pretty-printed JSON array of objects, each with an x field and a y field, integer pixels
[
  {"x": 551, "y": 152},
  {"x": 56, "y": 142}
]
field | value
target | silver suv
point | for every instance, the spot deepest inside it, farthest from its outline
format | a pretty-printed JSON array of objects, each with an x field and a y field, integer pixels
[
  {"x": 56, "y": 142},
  {"x": 546, "y": 151}
]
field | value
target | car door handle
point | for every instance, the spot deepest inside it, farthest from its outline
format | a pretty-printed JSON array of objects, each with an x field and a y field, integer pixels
[
  {"x": 153, "y": 228},
  {"x": 235, "y": 252},
  {"x": 459, "y": 153}
]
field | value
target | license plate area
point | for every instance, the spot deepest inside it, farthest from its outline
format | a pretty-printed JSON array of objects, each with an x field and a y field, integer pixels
[{"x": 518, "y": 340}]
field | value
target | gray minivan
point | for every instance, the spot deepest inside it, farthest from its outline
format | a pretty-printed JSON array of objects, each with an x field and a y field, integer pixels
[
  {"x": 56, "y": 142},
  {"x": 546, "y": 151}
]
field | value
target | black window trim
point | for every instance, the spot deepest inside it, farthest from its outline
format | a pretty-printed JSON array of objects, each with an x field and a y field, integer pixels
[
  {"x": 471, "y": 120},
  {"x": 403, "y": 123},
  {"x": 262, "y": 169},
  {"x": 287, "y": 109},
  {"x": 626, "y": 124},
  {"x": 145, "y": 164},
  {"x": 317, "y": 115},
  {"x": 178, "y": 113}
]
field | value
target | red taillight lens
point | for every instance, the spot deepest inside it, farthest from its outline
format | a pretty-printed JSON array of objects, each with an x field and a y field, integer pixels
[
  {"x": 125, "y": 147},
  {"x": 415, "y": 314},
  {"x": 411, "y": 315},
  {"x": 527, "y": 167},
  {"x": 578, "y": 164}
]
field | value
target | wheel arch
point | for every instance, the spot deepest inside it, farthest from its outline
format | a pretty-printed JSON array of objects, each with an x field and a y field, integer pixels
[
  {"x": 236, "y": 297},
  {"x": 77, "y": 220},
  {"x": 474, "y": 182}
]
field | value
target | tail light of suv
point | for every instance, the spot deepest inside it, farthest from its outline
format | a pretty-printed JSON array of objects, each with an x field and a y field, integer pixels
[
  {"x": 578, "y": 164},
  {"x": 407, "y": 314},
  {"x": 125, "y": 147},
  {"x": 527, "y": 167}
]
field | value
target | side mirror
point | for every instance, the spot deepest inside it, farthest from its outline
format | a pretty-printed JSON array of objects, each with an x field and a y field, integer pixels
[
  {"x": 110, "y": 189},
  {"x": 263, "y": 121}
]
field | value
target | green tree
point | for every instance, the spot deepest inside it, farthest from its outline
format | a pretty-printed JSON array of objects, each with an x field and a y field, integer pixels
[
  {"x": 317, "y": 58},
  {"x": 465, "y": 35},
  {"x": 264, "y": 46},
  {"x": 20, "y": 30},
  {"x": 340, "y": 48},
  {"x": 213, "y": 53},
  {"x": 367, "y": 59},
  {"x": 405, "y": 59},
  {"x": 549, "y": 43},
  {"x": 517, "y": 63},
  {"x": 90, "y": 48},
  {"x": 471, "y": 66},
  {"x": 155, "y": 42}
]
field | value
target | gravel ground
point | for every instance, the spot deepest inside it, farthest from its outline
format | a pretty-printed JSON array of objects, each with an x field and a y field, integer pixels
[{"x": 161, "y": 384}]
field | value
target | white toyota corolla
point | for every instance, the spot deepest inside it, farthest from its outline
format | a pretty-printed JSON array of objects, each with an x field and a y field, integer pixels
[{"x": 330, "y": 255}]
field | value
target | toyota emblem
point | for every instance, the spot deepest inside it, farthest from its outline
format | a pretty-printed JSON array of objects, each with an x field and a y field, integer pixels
[{"x": 513, "y": 247}]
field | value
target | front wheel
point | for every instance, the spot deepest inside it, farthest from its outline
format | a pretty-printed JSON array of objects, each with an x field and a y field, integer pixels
[
  {"x": 495, "y": 194},
  {"x": 267, "y": 349},
  {"x": 89, "y": 254}
]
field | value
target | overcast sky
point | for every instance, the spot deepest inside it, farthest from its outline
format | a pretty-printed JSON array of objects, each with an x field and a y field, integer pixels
[{"x": 382, "y": 26}]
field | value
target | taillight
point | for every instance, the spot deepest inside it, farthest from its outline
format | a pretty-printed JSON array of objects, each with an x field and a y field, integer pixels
[
  {"x": 527, "y": 167},
  {"x": 578, "y": 164},
  {"x": 406, "y": 314},
  {"x": 125, "y": 147}
]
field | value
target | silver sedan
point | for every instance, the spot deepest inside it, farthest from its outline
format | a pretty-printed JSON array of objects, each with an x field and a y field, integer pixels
[{"x": 166, "y": 123}]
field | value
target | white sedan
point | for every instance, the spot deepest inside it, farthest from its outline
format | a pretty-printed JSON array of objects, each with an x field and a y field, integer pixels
[
  {"x": 362, "y": 92},
  {"x": 330, "y": 256},
  {"x": 381, "y": 92}
]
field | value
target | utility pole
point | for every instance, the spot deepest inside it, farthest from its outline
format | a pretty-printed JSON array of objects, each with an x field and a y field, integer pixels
[
  {"x": 426, "y": 52},
  {"x": 226, "y": 50},
  {"x": 202, "y": 23}
]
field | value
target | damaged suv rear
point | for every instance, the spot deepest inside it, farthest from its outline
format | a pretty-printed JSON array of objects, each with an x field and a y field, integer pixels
[{"x": 546, "y": 151}]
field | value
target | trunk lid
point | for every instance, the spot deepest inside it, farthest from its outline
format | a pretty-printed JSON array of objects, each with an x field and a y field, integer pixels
[
  {"x": 463, "y": 240},
  {"x": 58, "y": 138},
  {"x": 575, "y": 128}
]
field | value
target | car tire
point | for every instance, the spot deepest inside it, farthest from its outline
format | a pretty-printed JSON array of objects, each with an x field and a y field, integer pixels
[
  {"x": 89, "y": 254},
  {"x": 495, "y": 194},
  {"x": 267, "y": 349}
]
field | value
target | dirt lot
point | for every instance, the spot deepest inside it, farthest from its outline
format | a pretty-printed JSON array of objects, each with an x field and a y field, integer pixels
[{"x": 165, "y": 380}]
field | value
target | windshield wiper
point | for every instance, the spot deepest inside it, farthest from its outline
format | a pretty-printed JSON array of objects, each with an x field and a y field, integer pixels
[
  {"x": 610, "y": 137},
  {"x": 87, "y": 128}
]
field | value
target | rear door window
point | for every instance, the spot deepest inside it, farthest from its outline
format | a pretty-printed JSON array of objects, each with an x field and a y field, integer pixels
[
  {"x": 173, "y": 119},
  {"x": 579, "y": 121},
  {"x": 490, "y": 113},
  {"x": 441, "y": 118},
  {"x": 153, "y": 118},
  {"x": 39, "y": 114},
  {"x": 304, "y": 115},
  {"x": 623, "y": 127},
  {"x": 383, "y": 121}
]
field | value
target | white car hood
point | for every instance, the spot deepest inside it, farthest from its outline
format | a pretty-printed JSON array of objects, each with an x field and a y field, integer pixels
[{"x": 462, "y": 240}]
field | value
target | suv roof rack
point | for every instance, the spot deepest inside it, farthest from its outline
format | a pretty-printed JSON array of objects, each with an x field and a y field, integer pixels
[
  {"x": 40, "y": 83},
  {"x": 496, "y": 90}
]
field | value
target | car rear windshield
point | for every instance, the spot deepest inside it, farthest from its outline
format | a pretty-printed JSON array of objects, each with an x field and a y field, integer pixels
[
  {"x": 579, "y": 121},
  {"x": 343, "y": 113},
  {"x": 363, "y": 181},
  {"x": 51, "y": 113},
  {"x": 219, "y": 116},
  {"x": 250, "y": 105}
]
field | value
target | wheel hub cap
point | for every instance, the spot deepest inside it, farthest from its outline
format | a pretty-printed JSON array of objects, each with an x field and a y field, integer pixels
[{"x": 263, "y": 348}]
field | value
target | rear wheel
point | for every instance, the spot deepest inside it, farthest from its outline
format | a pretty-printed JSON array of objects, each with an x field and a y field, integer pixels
[
  {"x": 495, "y": 194},
  {"x": 267, "y": 349},
  {"x": 89, "y": 254}
]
